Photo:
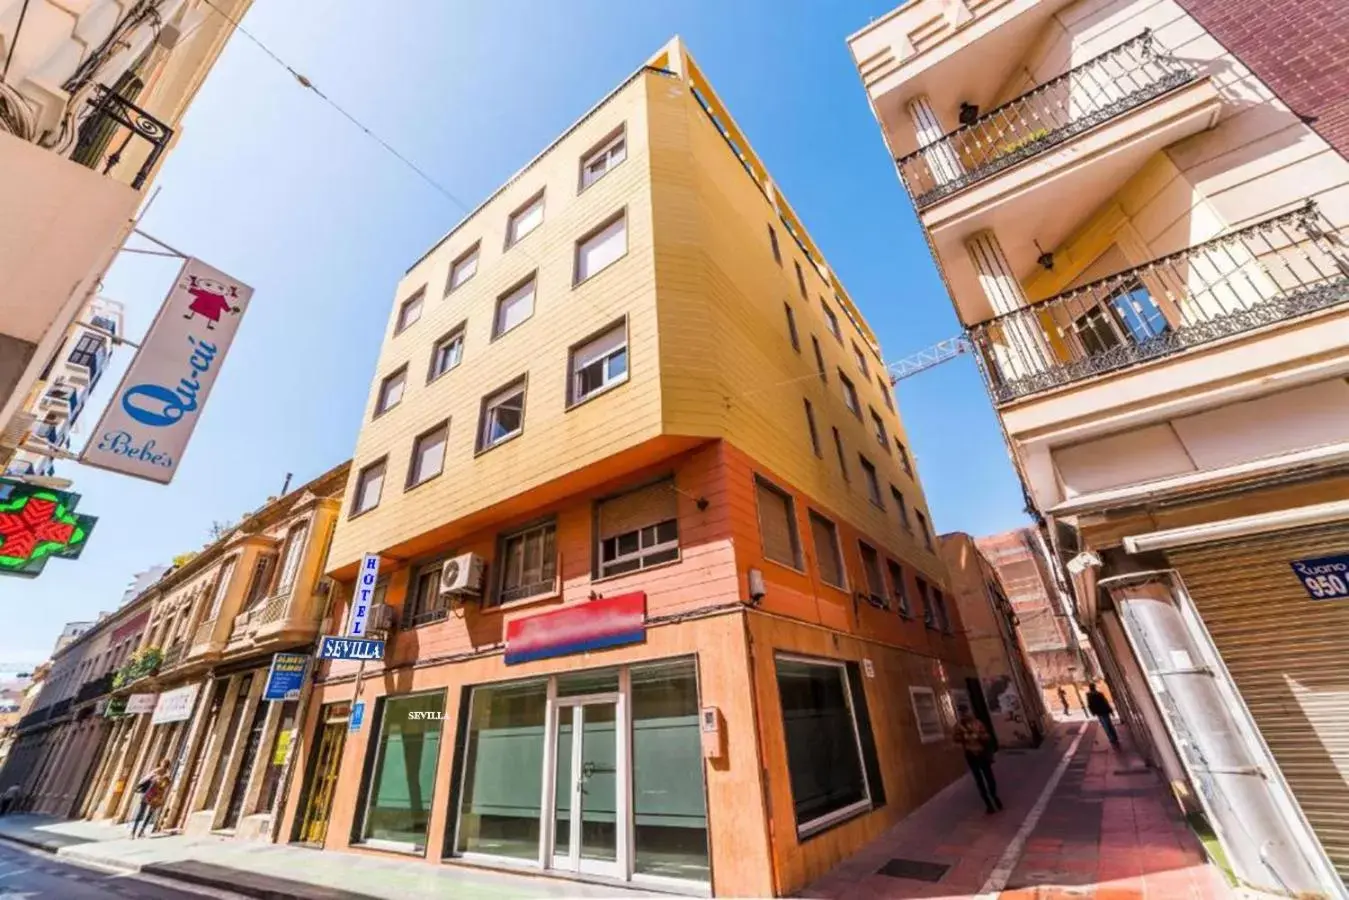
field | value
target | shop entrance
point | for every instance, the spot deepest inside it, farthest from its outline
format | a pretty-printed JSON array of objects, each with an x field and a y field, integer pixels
[
  {"x": 585, "y": 823},
  {"x": 318, "y": 803}
]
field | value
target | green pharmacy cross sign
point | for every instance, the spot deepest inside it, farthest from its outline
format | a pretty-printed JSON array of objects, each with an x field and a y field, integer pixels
[{"x": 37, "y": 524}]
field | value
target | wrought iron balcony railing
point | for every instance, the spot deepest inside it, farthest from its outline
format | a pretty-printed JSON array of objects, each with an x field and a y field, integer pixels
[
  {"x": 1100, "y": 89},
  {"x": 112, "y": 124},
  {"x": 1278, "y": 269}
]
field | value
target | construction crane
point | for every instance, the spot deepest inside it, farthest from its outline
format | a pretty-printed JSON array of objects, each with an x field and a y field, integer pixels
[{"x": 927, "y": 358}]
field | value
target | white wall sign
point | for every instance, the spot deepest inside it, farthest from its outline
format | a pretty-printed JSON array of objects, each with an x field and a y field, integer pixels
[
  {"x": 146, "y": 427},
  {"x": 175, "y": 705},
  {"x": 366, "y": 578},
  {"x": 138, "y": 704}
]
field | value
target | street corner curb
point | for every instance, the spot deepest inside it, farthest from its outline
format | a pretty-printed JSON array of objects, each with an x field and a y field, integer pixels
[{"x": 45, "y": 844}]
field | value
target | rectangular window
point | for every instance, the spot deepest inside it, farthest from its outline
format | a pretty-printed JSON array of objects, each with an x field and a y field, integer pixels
[
  {"x": 638, "y": 529},
  {"x": 291, "y": 556},
  {"x": 925, "y": 528},
  {"x": 528, "y": 563},
  {"x": 424, "y": 603},
  {"x": 925, "y": 598},
  {"x": 773, "y": 240},
  {"x": 86, "y": 351},
  {"x": 943, "y": 618},
  {"x": 791, "y": 327},
  {"x": 391, "y": 391},
  {"x": 902, "y": 506},
  {"x": 861, "y": 360},
  {"x": 409, "y": 312},
  {"x": 871, "y": 566},
  {"x": 897, "y": 588},
  {"x": 828, "y": 555},
  {"x": 601, "y": 248},
  {"x": 886, "y": 394},
  {"x": 261, "y": 582},
  {"x": 927, "y": 714},
  {"x": 222, "y": 586},
  {"x": 402, "y": 780},
  {"x": 904, "y": 457},
  {"x": 832, "y": 319},
  {"x": 369, "y": 484},
  {"x": 814, "y": 432},
  {"x": 447, "y": 353},
  {"x": 850, "y": 395},
  {"x": 777, "y": 524},
  {"x": 599, "y": 364},
  {"x": 842, "y": 457},
  {"x": 525, "y": 219},
  {"x": 800, "y": 279},
  {"x": 873, "y": 484},
  {"x": 598, "y": 163},
  {"x": 463, "y": 268},
  {"x": 514, "y": 307},
  {"x": 878, "y": 427},
  {"x": 428, "y": 455},
  {"x": 819, "y": 359},
  {"x": 503, "y": 415},
  {"x": 831, "y": 754}
]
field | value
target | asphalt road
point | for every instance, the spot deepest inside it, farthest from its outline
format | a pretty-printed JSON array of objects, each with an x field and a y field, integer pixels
[{"x": 28, "y": 875}]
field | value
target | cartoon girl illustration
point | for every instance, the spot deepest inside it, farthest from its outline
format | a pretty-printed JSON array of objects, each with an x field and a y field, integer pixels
[{"x": 211, "y": 299}]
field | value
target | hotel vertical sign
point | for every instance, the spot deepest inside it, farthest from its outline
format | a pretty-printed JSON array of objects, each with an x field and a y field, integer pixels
[{"x": 146, "y": 427}]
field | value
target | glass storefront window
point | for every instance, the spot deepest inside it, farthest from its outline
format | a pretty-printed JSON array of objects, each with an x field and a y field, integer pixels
[
  {"x": 276, "y": 759},
  {"x": 503, "y": 771},
  {"x": 398, "y": 796},
  {"x": 591, "y": 681}
]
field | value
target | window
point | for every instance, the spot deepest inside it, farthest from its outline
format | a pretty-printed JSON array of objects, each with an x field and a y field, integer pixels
[
  {"x": 871, "y": 566},
  {"x": 369, "y": 484},
  {"x": 463, "y": 268},
  {"x": 861, "y": 360},
  {"x": 638, "y": 529},
  {"x": 221, "y": 588},
  {"x": 447, "y": 353},
  {"x": 428, "y": 455},
  {"x": 524, "y": 220},
  {"x": 873, "y": 485},
  {"x": 601, "y": 248},
  {"x": 596, "y": 164},
  {"x": 261, "y": 580},
  {"x": 925, "y": 598},
  {"x": 499, "y": 809},
  {"x": 391, "y": 391},
  {"x": 832, "y": 318},
  {"x": 828, "y": 556},
  {"x": 850, "y": 395},
  {"x": 402, "y": 780},
  {"x": 831, "y": 754},
  {"x": 777, "y": 251},
  {"x": 86, "y": 351},
  {"x": 791, "y": 327},
  {"x": 904, "y": 457},
  {"x": 943, "y": 617},
  {"x": 842, "y": 458},
  {"x": 814, "y": 433},
  {"x": 927, "y": 714},
  {"x": 878, "y": 426},
  {"x": 885, "y": 391},
  {"x": 777, "y": 524},
  {"x": 897, "y": 588},
  {"x": 291, "y": 556},
  {"x": 409, "y": 312},
  {"x": 528, "y": 563},
  {"x": 424, "y": 603},
  {"x": 819, "y": 359},
  {"x": 503, "y": 416},
  {"x": 514, "y": 307},
  {"x": 902, "y": 507},
  {"x": 925, "y": 528},
  {"x": 800, "y": 279},
  {"x": 599, "y": 364}
]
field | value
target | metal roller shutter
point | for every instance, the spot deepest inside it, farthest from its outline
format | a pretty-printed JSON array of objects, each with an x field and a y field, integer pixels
[{"x": 1289, "y": 658}]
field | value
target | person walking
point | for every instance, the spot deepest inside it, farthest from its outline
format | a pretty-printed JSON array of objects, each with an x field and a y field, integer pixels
[
  {"x": 972, "y": 737},
  {"x": 1100, "y": 707},
  {"x": 1063, "y": 698},
  {"x": 8, "y": 799},
  {"x": 153, "y": 790}
]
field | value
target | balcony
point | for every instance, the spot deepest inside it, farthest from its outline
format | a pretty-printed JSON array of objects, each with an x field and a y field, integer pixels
[
  {"x": 267, "y": 617},
  {"x": 107, "y": 132},
  {"x": 94, "y": 689},
  {"x": 173, "y": 655},
  {"x": 1276, "y": 270},
  {"x": 141, "y": 664},
  {"x": 86, "y": 366}
]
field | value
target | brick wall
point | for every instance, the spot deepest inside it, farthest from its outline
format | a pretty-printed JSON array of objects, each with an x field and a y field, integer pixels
[{"x": 1299, "y": 49}]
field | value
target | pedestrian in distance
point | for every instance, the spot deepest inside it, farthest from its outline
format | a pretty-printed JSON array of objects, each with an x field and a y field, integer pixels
[
  {"x": 1063, "y": 698},
  {"x": 972, "y": 737},
  {"x": 1100, "y": 707},
  {"x": 9, "y": 799},
  {"x": 153, "y": 790}
]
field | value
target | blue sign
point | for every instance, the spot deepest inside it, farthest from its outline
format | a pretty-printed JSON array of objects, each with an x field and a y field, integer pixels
[
  {"x": 357, "y": 716},
  {"x": 286, "y": 676},
  {"x": 350, "y": 648},
  {"x": 1324, "y": 578}
]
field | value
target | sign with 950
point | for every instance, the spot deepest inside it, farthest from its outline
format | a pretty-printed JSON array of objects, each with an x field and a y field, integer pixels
[{"x": 1324, "y": 578}]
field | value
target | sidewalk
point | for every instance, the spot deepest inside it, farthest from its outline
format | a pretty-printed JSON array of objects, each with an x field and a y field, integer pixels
[
  {"x": 272, "y": 871},
  {"x": 1109, "y": 830}
]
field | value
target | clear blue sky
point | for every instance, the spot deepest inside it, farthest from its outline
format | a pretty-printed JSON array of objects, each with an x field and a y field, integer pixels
[{"x": 272, "y": 186}]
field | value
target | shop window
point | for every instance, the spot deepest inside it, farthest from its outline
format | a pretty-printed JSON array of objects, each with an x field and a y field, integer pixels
[
  {"x": 927, "y": 714},
  {"x": 276, "y": 759},
  {"x": 231, "y": 731},
  {"x": 831, "y": 754},
  {"x": 777, "y": 524},
  {"x": 396, "y": 800},
  {"x": 638, "y": 529}
]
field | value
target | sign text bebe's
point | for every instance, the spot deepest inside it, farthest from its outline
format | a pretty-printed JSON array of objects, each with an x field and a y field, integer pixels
[{"x": 146, "y": 427}]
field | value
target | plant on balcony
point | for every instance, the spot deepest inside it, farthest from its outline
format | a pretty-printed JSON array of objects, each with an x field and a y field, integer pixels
[
  {"x": 1036, "y": 135},
  {"x": 143, "y": 662}
]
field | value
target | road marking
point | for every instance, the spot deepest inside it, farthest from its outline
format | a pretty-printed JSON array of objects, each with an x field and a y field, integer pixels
[{"x": 1002, "y": 872}]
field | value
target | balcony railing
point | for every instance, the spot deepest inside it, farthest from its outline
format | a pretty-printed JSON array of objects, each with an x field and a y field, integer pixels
[
  {"x": 1100, "y": 89},
  {"x": 1284, "y": 267},
  {"x": 95, "y": 688},
  {"x": 113, "y": 123},
  {"x": 173, "y": 656}
]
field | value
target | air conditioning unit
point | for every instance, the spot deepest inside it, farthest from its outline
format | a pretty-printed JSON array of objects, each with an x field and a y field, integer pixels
[
  {"x": 462, "y": 575},
  {"x": 381, "y": 618}
]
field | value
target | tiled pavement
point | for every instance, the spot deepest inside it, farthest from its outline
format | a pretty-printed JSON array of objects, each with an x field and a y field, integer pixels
[{"x": 1108, "y": 831}]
